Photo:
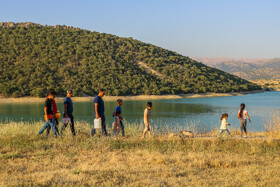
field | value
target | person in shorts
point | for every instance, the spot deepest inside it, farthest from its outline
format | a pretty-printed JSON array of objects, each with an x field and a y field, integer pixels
[{"x": 147, "y": 120}]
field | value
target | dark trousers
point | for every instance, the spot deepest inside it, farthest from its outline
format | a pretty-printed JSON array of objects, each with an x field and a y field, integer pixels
[
  {"x": 122, "y": 128},
  {"x": 71, "y": 125},
  {"x": 103, "y": 126}
]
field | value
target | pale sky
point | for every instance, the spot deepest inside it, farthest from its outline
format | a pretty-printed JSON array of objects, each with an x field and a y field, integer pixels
[{"x": 202, "y": 28}]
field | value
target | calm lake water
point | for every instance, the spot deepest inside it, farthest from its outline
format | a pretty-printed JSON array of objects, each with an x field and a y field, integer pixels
[{"x": 194, "y": 113}]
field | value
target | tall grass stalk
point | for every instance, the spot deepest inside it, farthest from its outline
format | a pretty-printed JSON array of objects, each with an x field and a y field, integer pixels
[{"x": 272, "y": 127}]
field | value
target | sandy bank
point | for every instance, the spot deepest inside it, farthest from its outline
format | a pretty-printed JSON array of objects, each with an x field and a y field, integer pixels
[{"x": 126, "y": 98}]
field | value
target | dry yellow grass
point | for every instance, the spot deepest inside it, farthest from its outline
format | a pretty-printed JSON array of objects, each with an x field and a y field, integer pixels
[
  {"x": 30, "y": 160},
  {"x": 272, "y": 84},
  {"x": 272, "y": 128}
]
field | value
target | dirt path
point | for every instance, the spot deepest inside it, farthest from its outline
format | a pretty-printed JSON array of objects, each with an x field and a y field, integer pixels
[{"x": 150, "y": 70}]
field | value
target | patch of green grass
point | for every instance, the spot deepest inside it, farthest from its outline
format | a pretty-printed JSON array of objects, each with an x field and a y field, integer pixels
[
  {"x": 10, "y": 156},
  {"x": 76, "y": 171},
  {"x": 71, "y": 155}
]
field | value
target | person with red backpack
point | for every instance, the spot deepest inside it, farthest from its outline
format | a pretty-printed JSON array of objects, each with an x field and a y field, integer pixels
[
  {"x": 49, "y": 115},
  {"x": 55, "y": 114}
]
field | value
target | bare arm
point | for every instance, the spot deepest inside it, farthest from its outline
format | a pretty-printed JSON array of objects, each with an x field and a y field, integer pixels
[
  {"x": 238, "y": 115},
  {"x": 65, "y": 111},
  {"x": 46, "y": 114},
  {"x": 96, "y": 110},
  {"x": 116, "y": 121},
  {"x": 226, "y": 122},
  {"x": 248, "y": 117},
  {"x": 121, "y": 118},
  {"x": 146, "y": 118}
]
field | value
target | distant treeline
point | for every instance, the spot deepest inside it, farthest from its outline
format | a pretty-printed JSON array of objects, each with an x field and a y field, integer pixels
[{"x": 35, "y": 58}]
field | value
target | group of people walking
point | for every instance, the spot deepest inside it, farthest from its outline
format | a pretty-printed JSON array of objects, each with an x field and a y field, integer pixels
[
  {"x": 242, "y": 115},
  {"x": 52, "y": 116}
]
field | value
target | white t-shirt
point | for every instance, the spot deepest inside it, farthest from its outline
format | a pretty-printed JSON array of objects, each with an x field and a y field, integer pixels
[
  {"x": 223, "y": 124},
  {"x": 244, "y": 114}
]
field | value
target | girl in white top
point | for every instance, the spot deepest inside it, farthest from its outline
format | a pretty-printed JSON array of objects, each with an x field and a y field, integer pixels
[
  {"x": 224, "y": 124},
  {"x": 117, "y": 124},
  {"x": 242, "y": 116}
]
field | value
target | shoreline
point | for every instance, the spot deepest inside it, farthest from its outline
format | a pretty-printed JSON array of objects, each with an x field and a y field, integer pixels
[{"x": 127, "y": 98}]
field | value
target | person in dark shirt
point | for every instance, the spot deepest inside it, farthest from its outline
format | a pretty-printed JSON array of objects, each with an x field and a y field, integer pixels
[
  {"x": 118, "y": 108},
  {"x": 48, "y": 111},
  {"x": 68, "y": 112},
  {"x": 54, "y": 117},
  {"x": 99, "y": 112}
]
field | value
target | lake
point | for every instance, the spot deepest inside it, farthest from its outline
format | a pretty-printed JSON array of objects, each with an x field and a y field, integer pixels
[{"x": 198, "y": 114}]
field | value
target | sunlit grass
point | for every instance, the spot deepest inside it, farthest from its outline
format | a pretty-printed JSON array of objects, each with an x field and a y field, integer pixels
[
  {"x": 28, "y": 159},
  {"x": 272, "y": 128}
]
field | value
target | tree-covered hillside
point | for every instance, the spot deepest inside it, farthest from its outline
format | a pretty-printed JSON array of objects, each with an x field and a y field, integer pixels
[{"x": 35, "y": 58}]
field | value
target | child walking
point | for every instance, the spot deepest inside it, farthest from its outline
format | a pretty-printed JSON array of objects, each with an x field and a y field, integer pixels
[
  {"x": 117, "y": 124},
  {"x": 118, "y": 108},
  {"x": 242, "y": 116},
  {"x": 224, "y": 124},
  {"x": 147, "y": 121}
]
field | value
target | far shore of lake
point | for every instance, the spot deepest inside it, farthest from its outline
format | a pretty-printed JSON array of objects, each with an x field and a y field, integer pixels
[{"x": 126, "y": 98}]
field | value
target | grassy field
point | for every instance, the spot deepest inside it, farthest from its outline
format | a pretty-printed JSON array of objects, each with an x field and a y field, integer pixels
[{"x": 27, "y": 159}]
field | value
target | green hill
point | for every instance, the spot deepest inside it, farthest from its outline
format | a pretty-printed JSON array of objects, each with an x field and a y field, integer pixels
[{"x": 35, "y": 58}]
